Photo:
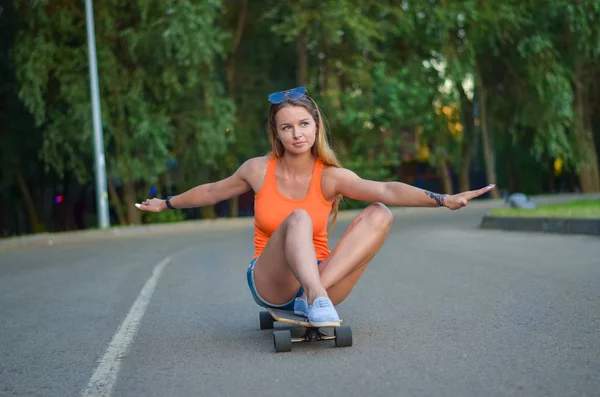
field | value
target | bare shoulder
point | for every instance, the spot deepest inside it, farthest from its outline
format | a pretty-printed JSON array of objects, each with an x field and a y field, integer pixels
[
  {"x": 253, "y": 171},
  {"x": 255, "y": 165},
  {"x": 334, "y": 174},
  {"x": 333, "y": 178}
]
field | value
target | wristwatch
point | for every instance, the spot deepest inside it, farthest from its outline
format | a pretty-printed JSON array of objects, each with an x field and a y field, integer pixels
[{"x": 168, "y": 201}]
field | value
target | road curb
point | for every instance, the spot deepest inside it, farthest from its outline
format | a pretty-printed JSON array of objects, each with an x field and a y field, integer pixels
[
  {"x": 590, "y": 226},
  {"x": 49, "y": 239}
]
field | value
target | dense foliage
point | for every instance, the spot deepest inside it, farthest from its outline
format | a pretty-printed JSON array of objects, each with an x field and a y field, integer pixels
[{"x": 471, "y": 92}]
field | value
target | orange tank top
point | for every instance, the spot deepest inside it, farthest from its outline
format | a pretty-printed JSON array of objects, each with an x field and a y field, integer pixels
[{"x": 271, "y": 208}]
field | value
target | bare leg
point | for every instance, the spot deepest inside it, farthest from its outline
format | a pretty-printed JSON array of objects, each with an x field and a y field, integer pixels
[
  {"x": 289, "y": 256},
  {"x": 360, "y": 243},
  {"x": 288, "y": 261}
]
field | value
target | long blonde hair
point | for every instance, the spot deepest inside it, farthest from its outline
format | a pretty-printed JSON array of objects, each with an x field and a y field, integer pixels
[{"x": 321, "y": 148}]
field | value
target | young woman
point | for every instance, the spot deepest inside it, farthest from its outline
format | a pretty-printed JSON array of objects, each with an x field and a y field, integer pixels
[{"x": 298, "y": 187}]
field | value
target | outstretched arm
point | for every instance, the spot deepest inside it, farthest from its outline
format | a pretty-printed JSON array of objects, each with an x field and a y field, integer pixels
[
  {"x": 348, "y": 184},
  {"x": 206, "y": 194}
]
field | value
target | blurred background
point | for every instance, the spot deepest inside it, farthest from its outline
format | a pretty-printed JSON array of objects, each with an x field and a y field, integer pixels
[{"x": 441, "y": 94}]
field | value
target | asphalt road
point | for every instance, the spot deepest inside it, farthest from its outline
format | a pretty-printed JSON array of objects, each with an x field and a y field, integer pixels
[{"x": 445, "y": 309}]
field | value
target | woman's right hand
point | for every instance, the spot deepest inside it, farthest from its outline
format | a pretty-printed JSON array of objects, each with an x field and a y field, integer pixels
[{"x": 152, "y": 205}]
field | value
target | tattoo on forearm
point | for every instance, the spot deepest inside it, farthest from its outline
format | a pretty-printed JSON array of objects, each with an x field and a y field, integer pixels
[{"x": 439, "y": 198}]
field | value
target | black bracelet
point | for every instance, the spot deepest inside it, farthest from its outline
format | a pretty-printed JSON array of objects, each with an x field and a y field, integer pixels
[{"x": 168, "y": 201}]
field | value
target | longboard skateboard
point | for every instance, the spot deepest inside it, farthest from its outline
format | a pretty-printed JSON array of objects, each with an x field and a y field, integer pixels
[{"x": 282, "y": 339}]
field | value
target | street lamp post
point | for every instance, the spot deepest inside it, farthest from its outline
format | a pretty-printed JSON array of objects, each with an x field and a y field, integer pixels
[{"x": 101, "y": 193}]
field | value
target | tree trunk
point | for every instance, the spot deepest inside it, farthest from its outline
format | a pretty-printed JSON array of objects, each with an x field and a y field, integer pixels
[
  {"x": 487, "y": 151},
  {"x": 1, "y": 220},
  {"x": 234, "y": 207},
  {"x": 29, "y": 205},
  {"x": 589, "y": 177},
  {"x": 443, "y": 173},
  {"x": 230, "y": 69},
  {"x": 129, "y": 197},
  {"x": 69, "y": 210},
  {"x": 302, "y": 57},
  {"x": 114, "y": 197},
  {"x": 208, "y": 212},
  {"x": 510, "y": 175},
  {"x": 325, "y": 79},
  {"x": 464, "y": 181}
]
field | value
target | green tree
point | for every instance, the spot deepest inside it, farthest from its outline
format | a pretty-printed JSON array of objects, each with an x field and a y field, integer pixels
[
  {"x": 579, "y": 39},
  {"x": 338, "y": 47},
  {"x": 159, "y": 87},
  {"x": 20, "y": 141}
]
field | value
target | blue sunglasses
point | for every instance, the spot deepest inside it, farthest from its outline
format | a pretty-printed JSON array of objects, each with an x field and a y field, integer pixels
[{"x": 295, "y": 93}]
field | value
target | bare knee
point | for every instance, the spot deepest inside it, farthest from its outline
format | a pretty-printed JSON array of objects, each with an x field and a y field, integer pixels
[
  {"x": 299, "y": 217},
  {"x": 379, "y": 216}
]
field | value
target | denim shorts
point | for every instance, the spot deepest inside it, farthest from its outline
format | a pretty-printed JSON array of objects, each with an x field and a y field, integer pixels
[{"x": 260, "y": 301}]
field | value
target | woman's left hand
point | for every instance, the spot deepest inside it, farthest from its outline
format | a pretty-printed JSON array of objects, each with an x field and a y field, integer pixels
[{"x": 459, "y": 200}]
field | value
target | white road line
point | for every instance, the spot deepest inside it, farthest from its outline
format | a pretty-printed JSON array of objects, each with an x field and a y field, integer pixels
[{"x": 105, "y": 376}]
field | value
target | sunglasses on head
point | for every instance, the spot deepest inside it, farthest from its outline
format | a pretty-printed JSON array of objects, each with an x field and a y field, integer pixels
[{"x": 295, "y": 93}]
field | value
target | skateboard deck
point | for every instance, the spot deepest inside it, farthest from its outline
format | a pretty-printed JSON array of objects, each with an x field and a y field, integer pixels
[
  {"x": 283, "y": 339},
  {"x": 288, "y": 317}
]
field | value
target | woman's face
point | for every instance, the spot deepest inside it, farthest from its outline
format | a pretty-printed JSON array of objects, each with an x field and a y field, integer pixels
[{"x": 296, "y": 129}]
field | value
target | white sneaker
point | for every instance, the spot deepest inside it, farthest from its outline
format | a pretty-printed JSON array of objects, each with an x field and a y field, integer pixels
[{"x": 322, "y": 313}]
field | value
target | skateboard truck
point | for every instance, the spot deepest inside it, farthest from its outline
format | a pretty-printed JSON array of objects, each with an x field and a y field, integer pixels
[
  {"x": 313, "y": 335},
  {"x": 282, "y": 339}
]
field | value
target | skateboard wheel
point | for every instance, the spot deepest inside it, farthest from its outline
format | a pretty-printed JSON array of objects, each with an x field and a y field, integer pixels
[
  {"x": 282, "y": 341},
  {"x": 266, "y": 320},
  {"x": 343, "y": 336}
]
